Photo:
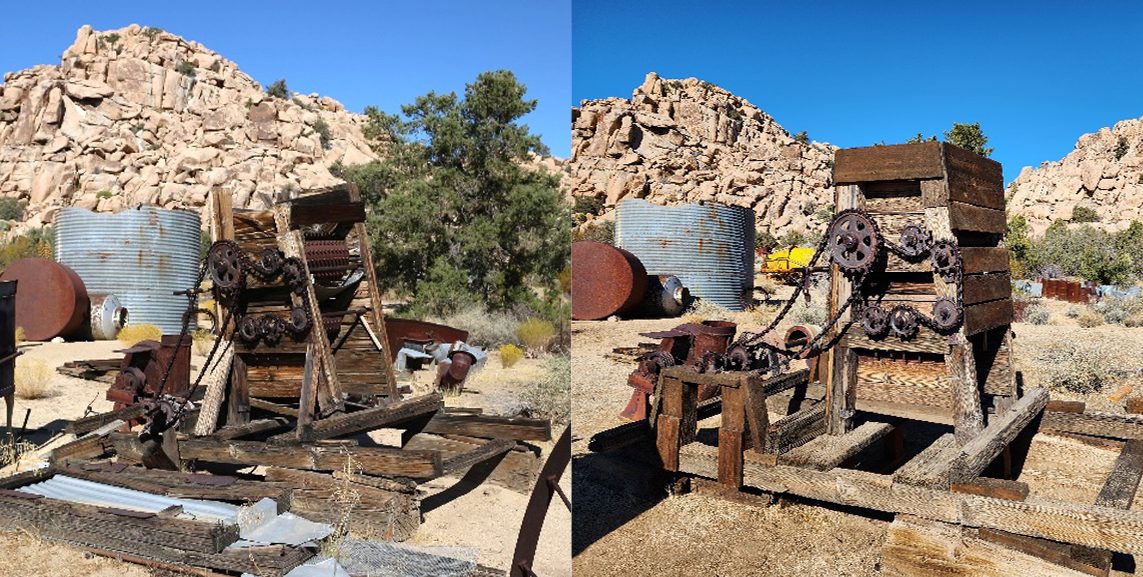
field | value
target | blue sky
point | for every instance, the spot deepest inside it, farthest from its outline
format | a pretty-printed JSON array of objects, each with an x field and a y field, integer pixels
[
  {"x": 1035, "y": 75},
  {"x": 359, "y": 53}
]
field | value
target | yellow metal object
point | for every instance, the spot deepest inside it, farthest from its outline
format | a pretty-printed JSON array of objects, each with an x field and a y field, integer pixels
[{"x": 787, "y": 260}]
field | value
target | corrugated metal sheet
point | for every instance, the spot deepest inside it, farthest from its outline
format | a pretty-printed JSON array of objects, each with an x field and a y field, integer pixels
[
  {"x": 710, "y": 247},
  {"x": 75, "y": 490},
  {"x": 142, "y": 255}
]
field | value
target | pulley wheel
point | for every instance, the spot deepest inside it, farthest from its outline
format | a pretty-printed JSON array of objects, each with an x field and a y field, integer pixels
[
  {"x": 852, "y": 242},
  {"x": 946, "y": 314},
  {"x": 946, "y": 259},
  {"x": 249, "y": 329},
  {"x": 903, "y": 322},
  {"x": 874, "y": 320},
  {"x": 224, "y": 261}
]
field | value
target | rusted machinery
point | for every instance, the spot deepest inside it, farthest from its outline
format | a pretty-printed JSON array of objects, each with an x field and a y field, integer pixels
[
  {"x": 142, "y": 368},
  {"x": 55, "y": 303},
  {"x": 610, "y": 281}
]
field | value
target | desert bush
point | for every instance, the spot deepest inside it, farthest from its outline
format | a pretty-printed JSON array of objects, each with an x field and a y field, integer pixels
[
  {"x": 322, "y": 130},
  {"x": 1133, "y": 321},
  {"x": 203, "y": 341},
  {"x": 1073, "y": 312},
  {"x": 550, "y": 396},
  {"x": 763, "y": 239},
  {"x": 802, "y": 137},
  {"x": 510, "y": 355},
  {"x": 1037, "y": 313},
  {"x": 132, "y": 335},
  {"x": 33, "y": 377},
  {"x": 485, "y": 329},
  {"x": 278, "y": 89},
  {"x": 186, "y": 69},
  {"x": 1116, "y": 310},
  {"x": 1084, "y": 214},
  {"x": 1089, "y": 318},
  {"x": 535, "y": 334},
  {"x": 595, "y": 231},
  {"x": 1094, "y": 254},
  {"x": 1079, "y": 367},
  {"x": 587, "y": 205},
  {"x": 11, "y": 449},
  {"x": 21, "y": 335},
  {"x": 564, "y": 278},
  {"x": 704, "y": 310},
  {"x": 11, "y": 209},
  {"x": 1121, "y": 147}
]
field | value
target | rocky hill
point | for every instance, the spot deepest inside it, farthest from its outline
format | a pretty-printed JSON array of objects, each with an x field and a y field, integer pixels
[
  {"x": 683, "y": 141},
  {"x": 1103, "y": 173},
  {"x": 138, "y": 115}
]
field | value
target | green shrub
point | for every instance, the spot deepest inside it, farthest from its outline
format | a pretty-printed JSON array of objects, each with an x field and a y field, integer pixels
[
  {"x": 802, "y": 137},
  {"x": 151, "y": 32},
  {"x": 1087, "y": 252},
  {"x": 536, "y": 334},
  {"x": 1084, "y": 214},
  {"x": 510, "y": 355},
  {"x": 322, "y": 130},
  {"x": 104, "y": 194},
  {"x": 278, "y": 89},
  {"x": 1121, "y": 147},
  {"x": 186, "y": 68},
  {"x": 11, "y": 209},
  {"x": 763, "y": 239},
  {"x": 587, "y": 205},
  {"x": 595, "y": 231},
  {"x": 1118, "y": 310},
  {"x": 550, "y": 397}
]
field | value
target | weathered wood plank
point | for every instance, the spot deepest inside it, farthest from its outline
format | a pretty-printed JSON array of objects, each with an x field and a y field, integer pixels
[
  {"x": 479, "y": 454},
  {"x": 914, "y": 382},
  {"x": 515, "y": 470},
  {"x": 895, "y": 162},
  {"x": 985, "y": 316},
  {"x": 1119, "y": 489},
  {"x": 976, "y": 454},
  {"x": 378, "y": 417},
  {"x": 970, "y": 218},
  {"x": 1077, "y": 523},
  {"x": 369, "y": 460},
  {"x": 302, "y": 215},
  {"x": 1099, "y": 424},
  {"x": 926, "y": 341},
  {"x": 998, "y": 488},
  {"x": 491, "y": 427},
  {"x": 829, "y": 451},
  {"x": 974, "y": 179},
  {"x": 797, "y": 429},
  {"x": 916, "y": 547},
  {"x": 980, "y": 288},
  {"x": 982, "y": 259}
]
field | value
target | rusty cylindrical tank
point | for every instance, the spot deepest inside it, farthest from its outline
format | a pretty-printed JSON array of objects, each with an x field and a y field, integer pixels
[
  {"x": 605, "y": 281},
  {"x": 52, "y": 300},
  {"x": 107, "y": 317}
]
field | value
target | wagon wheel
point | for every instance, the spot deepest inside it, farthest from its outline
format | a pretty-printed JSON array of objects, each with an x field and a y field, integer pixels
[{"x": 547, "y": 486}]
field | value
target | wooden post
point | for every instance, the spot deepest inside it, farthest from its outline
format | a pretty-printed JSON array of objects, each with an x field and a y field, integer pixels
[
  {"x": 842, "y": 363},
  {"x": 730, "y": 436},
  {"x": 308, "y": 398},
  {"x": 238, "y": 401},
  {"x": 374, "y": 320}
]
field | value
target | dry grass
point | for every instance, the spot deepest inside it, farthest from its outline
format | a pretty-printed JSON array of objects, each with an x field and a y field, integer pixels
[
  {"x": 21, "y": 336},
  {"x": 11, "y": 449},
  {"x": 133, "y": 334},
  {"x": 536, "y": 334},
  {"x": 203, "y": 342},
  {"x": 33, "y": 378},
  {"x": 1089, "y": 318},
  {"x": 550, "y": 397},
  {"x": 510, "y": 355},
  {"x": 702, "y": 310},
  {"x": 485, "y": 329}
]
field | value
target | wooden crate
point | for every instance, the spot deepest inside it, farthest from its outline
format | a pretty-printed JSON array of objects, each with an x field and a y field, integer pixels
[{"x": 953, "y": 194}]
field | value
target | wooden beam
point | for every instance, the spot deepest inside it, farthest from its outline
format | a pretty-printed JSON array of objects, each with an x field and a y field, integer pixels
[
  {"x": 894, "y": 162},
  {"x": 998, "y": 488},
  {"x": 302, "y": 215},
  {"x": 930, "y": 464},
  {"x": 377, "y": 417},
  {"x": 983, "y": 448},
  {"x": 80, "y": 427},
  {"x": 490, "y": 427},
  {"x": 369, "y": 460},
  {"x": 1095, "y": 423},
  {"x": 795, "y": 430},
  {"x": 1119, "y": 489},
  {"x": 1070, "y": 522},
  {"x": 828, "y": 451},
  {"x": 272, "y": 407},
  {"x": 488, "y": 450}
]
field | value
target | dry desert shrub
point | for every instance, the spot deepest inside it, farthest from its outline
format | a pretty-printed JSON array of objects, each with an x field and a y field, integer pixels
[
  {"x": 1089, "y": 318},
  {"x": 33, "y": 378},
  {"x": 21, "y": 336},
  {"x": 131, "y": 335},
  {"x": 510, "y": 355},
  {"x": 1037, "y": 313},
  {"x": 485, "y": 329},
  {"x": 535, "y": 334},
  {"x": 1121, "y": 310},
  {"x": 1080, "y": 367},
  {"x": 203, "y": 342},
  {"x": 704, "y": 310},
  {"x": 550, "y": 396}
]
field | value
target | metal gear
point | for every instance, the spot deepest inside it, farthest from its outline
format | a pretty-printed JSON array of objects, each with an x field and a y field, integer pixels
[
  {"x": 903, "y": 321},
  {"x": 853, "y": 241},
  {"x": 269, "y": 263},
  {"x": 874, "y": 320},
  {"x": 293, "y": 273},
  {"x": 946, "y": 314},
  {"x": 299, "y": 323},
  {"x": 272, "y": 328},
  {"x": 738, "y": 358},
  {"x": 225, "y": 263},
  {"x": 945, "y": 255},
  {"x": 249, "y": 330},
  {"x": 915, "y": 241}
]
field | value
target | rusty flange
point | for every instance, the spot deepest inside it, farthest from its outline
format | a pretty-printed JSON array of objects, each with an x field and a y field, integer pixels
[
  {"x": 605, "y": 281},
  {"x": 51, "y": 300}
]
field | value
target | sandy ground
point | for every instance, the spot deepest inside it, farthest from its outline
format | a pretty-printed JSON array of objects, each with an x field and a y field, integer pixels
[
  {"x": 487, "y": 518},
  {"x": 694, "y": 534}
]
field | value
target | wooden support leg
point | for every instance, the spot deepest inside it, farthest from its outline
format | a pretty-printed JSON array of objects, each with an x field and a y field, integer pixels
[
  {"x": 308, "y": 398},
  {"x": 238, "y": 401},
  {"x": 676, "y": 425},
  {"x": 969, "y": 416},
  {"x": 730, "y": 435},
  {"x": 840, "y": 395}
]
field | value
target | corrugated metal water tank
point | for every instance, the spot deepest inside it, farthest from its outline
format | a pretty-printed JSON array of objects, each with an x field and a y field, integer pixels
[
  {"x": 142, "y": 255},
  {"x": 710, "y": 247}
]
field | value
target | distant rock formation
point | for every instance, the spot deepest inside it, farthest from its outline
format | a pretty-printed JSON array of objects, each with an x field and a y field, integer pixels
[
  {"x": 1103, "y": 173},
  {"x": 683, "y": 141},
  {"x": 138, "y": 115}
]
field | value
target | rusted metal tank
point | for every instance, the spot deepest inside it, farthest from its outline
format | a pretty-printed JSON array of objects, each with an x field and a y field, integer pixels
[
  {"x": 52, "y": 300},
  {"x": 401, "y": 331},
  {"x": 665, "y": 296},
  {"x": 710, "y": 247},
  {"x": 142, "y": 255},
  {"x": 605, "y": 281}
]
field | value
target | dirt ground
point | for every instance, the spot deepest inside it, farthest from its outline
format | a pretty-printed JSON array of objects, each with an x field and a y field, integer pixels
[
  {"x": 617, "y": 533},
  {"x": 487, "y": 518}
]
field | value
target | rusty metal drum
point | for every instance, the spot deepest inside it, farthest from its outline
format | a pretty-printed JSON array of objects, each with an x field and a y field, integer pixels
[
  {"x": 108, "y": 316},
  {"x": 51, "y": 300},
  {"x": 606, "y": 281}
]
